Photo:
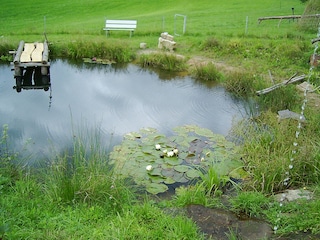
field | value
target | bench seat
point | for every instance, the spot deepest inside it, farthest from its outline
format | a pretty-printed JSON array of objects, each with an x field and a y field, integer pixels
[{"x": 126, "y": 25}]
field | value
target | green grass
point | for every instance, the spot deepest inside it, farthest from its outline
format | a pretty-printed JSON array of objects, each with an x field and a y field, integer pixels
[{"x": 75, "y": 198}]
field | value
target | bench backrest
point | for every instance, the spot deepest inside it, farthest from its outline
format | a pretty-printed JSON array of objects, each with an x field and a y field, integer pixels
[{"x": 121, "y": 24}]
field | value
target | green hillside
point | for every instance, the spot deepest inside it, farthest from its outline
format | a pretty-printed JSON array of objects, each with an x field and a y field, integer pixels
[{"x": 87, "y": 16}]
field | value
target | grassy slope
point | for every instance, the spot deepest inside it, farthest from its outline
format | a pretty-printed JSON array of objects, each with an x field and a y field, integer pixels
[
  {"x": 224, "y": 20},
  {"x": 84, "y": 19},
  {"x": 87, "y": 16}
]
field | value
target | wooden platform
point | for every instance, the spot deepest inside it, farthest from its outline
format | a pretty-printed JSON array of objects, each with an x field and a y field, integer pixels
[{"x": 32, "y": 54}]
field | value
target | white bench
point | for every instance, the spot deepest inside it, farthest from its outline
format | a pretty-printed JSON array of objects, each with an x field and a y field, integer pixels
[{"x": 129, "y": 25}]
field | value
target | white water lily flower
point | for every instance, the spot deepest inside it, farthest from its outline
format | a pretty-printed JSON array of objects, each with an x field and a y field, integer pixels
[
  {"x": 175, "y": 151},
  {"x": 170, "y": 154},
  {"x": 149, "y": 167},
  {"x": 158, "y": 146},
  {"x": 165, "y": 151}
]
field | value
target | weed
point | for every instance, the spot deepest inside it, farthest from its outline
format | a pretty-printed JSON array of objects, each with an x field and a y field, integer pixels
[
  {"x": 207, "y": 72},
  {"x": 249, "y": 203},
  {"x": 193, "y": 194},
  {"x": 239, "y": 83},
  {"x": 86, "y": 177},
  {"x": 211, "y": 43},
  {"x": 165, "y": 61},
  {"x": 280, "y": 99}
]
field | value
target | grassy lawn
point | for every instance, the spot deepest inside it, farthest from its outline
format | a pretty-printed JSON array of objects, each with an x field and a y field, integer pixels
[{"x": 91, "y": 203}]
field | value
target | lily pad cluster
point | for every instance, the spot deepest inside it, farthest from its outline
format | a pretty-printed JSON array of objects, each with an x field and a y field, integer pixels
[{"x": 156, "y": 161}]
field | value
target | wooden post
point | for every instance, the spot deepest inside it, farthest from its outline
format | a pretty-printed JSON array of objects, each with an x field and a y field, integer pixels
[
  {"x": 45, "y": 54},
  {"x": 18, "y": 53}
]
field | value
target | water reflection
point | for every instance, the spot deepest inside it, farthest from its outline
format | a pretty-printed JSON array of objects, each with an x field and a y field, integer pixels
[
  {"x": 32, "y": 78},
  {"x": 117, "y": 99}
]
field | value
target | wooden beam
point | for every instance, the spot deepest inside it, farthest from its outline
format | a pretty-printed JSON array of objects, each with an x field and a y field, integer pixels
[
  {"x": 287, "y": 17},
  {"x": 315, "y": 40},
  {"x": 45, "y": 54},
  {"x": 18, "y": 53},
  {"x": 278, "y": 85},
  {"x": 279, "y": 17}
]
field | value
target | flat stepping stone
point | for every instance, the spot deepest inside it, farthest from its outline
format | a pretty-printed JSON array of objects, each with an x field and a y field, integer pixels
[{"x": 285, "y": 114}]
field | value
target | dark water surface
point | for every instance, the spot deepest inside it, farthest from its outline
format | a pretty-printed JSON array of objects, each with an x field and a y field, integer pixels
[{"x": 116, "y": 99}]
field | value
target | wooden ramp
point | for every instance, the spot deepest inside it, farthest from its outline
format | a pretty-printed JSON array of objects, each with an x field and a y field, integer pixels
[{"x": 32, "y": 52}]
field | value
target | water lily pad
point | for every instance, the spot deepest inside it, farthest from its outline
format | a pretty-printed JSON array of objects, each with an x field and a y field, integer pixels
[
  {"x": 157, "y": 179},
  {"x": 155, "y": 172},
  {"x": 156, "y": 188},
  {"x": 181, "y": 168},
  {"x": 173, "y": 160},
  {"x": 167, "y": 172},
  {"x": 196, "y": 147},
  {"x": 169, "y": 180},
  {"x": 192, "y": 173}
]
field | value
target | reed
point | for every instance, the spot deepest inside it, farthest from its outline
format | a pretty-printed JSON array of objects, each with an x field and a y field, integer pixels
[
  {"x": 164, "y": 61},
  {"x": 239, "y": 83},
  {"x": 83, "y": 175},
  {"x": 112, "y": 50},
  {"x": 207, "y": 72}
]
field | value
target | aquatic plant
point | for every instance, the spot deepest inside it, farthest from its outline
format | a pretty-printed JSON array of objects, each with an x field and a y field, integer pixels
[{"x": 155, "y": 161}]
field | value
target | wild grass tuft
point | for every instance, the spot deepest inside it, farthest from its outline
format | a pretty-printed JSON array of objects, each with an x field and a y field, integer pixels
[
  {"x": 267, "y": 145},
  {"x": 165, "y": 61},
  {"x": 111, "y": 50},
  {"x": 251, "y": 204},
  {"x": 211, "y": 43},
  {"x": 241, "y": 84},
  {"x": 207, "y": 72},
  {"x": 280, "y": 99},
  {"x": 83, "y": 175}
]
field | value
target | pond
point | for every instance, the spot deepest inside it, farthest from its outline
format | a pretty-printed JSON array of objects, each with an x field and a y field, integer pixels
[{"x": 115, "y": 98}]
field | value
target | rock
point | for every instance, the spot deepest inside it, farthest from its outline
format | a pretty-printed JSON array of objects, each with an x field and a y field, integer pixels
[
  {"x": 143, "y": 45},
  {"x": 220, "y": 224},
  {"x": 293, "y": 194},
  {"x": 284, "y": 114},
  {"x": 166, "y": 42}
]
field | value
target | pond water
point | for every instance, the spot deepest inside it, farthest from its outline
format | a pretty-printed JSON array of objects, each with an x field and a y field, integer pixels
[{"x": 116, "y": 99}]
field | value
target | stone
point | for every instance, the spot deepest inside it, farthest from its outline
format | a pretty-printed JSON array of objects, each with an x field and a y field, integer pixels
[
  {"x": 166, "y": 42},
  {"x": 143, "y": 45},
  {"x": 294, "y": 194},
  {"x": 284, "y": 114}
]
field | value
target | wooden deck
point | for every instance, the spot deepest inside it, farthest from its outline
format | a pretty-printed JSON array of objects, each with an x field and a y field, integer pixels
[{"x": 32, "y": 54}]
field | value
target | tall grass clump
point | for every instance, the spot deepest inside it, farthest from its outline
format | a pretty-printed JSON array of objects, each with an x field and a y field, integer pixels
[
  {"x": 207, "y": 72},
  {"x": 112, "y": 50},
  {"x": 83, "y": 175},
  {"x": 10, "y": 170},
  {"x": 310, "y": 23},
  {"x": 267, "y": 145},
  {"x": 147, "y": 221},
  {"x": 211, "y": 43},
  {"x": 164, "y": 61},
  {"x": 285, "y": 97},
  {"x": 239, "y": 83}
]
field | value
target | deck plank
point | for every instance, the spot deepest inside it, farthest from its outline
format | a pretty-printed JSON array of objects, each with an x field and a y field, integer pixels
[
  {"x": 26, "y": 54},
  {"x": 36, "y": 55}
]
